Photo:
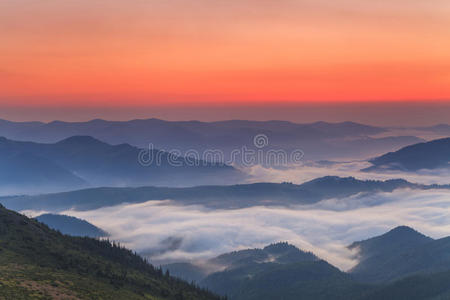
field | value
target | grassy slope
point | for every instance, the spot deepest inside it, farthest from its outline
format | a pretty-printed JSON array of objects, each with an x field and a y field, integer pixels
[{"x": 39, "y": 263}]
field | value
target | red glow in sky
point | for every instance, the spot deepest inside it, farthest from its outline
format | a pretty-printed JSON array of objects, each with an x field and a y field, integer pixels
[{"x": 182, "y": 52}]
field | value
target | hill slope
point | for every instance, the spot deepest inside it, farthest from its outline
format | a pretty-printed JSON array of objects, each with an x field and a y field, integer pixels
[
  {"x": 21, "y": 170},
  {"x": 71, "y": 225},
  {"x": 430, "y": 155},
  {"x": 278, "y": 271},
  {"x": 39, "y": 263},
  {"x": 419, "y": 287},
  {"x": 399, "y": 253},
  {"x": 414, "y": 267}
]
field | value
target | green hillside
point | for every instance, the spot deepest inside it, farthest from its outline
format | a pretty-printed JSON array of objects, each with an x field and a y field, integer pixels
[
  {"x": 419, "y": 287},
  {"x": 282, "y": 271},
  {"x": 37, "y": 262},
  {"x": 399, "y": 253}
]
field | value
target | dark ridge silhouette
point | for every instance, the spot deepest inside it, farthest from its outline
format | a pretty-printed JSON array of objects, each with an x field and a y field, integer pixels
[
  {"x": 228, "y": 197},
  {"x": 85, "y": 161},
  {"x": 429, "y": 155}
]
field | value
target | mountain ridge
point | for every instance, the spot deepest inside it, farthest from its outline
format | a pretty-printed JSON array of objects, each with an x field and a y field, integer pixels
[
  {"x": 95, "y": 163},
  {"x": 228, "y": 197},
  {"x": 398, "y": 253},
  {"x": 318, "y": 140},
  {"x": 249, "y": 276},
  {"x": 428, "y": 155}
]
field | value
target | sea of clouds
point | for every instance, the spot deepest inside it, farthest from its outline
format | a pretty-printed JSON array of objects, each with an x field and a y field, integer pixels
[
  {"x": 165, "y": 232},
  {"x": 312, "y": 170}
]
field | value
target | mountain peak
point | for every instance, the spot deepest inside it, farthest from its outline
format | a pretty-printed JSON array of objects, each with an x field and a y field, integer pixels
[
  {"x": 331, "y": 179},
  {"x": 80, "y": 139},
  {"x": 96, "y": 121},
  {"x": 403, "y": 229},
  {"x": 397, "y": 240},
  {"x": 405, "y": 233},
  {"x": 280, "y": 246},
  {"x": 399, "y": 235}
]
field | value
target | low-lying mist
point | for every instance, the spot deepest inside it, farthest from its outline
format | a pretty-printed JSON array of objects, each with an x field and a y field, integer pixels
[
  {"x": 311, "y": 170},
  {"x": 165, "y": 232}
]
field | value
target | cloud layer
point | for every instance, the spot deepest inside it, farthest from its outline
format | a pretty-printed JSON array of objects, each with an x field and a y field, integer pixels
[
  {"x": 166, "y": 232},
  {"x": 312, "y": 170}
]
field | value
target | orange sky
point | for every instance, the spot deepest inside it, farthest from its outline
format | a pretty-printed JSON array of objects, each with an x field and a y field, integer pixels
[{"x": 154, "y": 52}]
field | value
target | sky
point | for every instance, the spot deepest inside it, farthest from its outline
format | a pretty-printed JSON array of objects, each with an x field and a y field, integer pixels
[{"x": 170, "y": 55}]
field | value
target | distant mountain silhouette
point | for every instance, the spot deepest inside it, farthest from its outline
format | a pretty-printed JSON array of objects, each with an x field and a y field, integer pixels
[
  {"x": 155, "y": 130},
  {"x": 80, "y": 160},
  {"x": 443, "y": 129},
  {"x": 430, "y": 155},
  {"x": 320, "y": 140},
  {"x": 71, "y": 225},
  {"x": 21, "y": 170},
  {"x": 399, "y": 253},
  {"x": 232, "y": 196}
]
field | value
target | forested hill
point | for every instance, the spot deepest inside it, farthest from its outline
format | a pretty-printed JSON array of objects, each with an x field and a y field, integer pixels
[
  {"x": 430, "y": 155},
  {"x": 232, "y": 196},
  {"x": 37, "y": 262}
]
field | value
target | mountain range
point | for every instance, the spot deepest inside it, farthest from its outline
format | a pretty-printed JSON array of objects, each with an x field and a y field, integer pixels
[
  {"x": 228, "y": 197},
  {"x": 82, "y": 161},
  {"x": 320, "y": 140},
  {"x": 443, "y": 129}
]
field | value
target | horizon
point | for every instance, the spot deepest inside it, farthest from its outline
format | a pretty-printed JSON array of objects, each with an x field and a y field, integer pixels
[
  {"x": 206, "y": 122},
  {"x": 392, "y": 114}
]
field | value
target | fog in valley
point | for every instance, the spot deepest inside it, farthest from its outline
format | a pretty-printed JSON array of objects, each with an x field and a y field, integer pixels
[{"x": 165, "y": 232}]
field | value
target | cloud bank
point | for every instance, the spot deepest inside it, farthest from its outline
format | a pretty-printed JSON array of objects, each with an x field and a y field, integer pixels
[
  {"x": 165, "y": 232},
  {"x": 312, "y": 170}
]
